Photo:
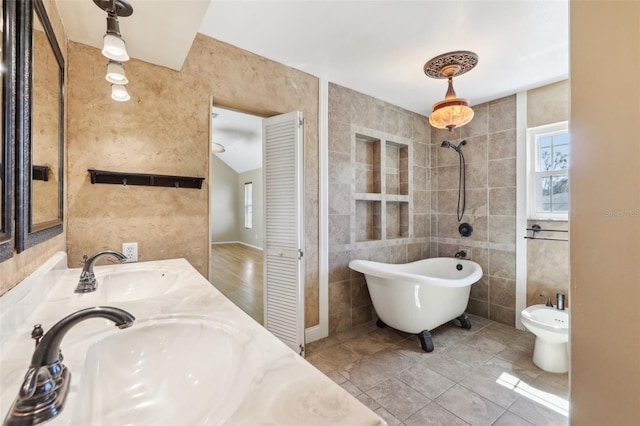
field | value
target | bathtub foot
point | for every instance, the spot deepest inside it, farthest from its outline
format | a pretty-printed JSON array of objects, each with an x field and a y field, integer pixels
[
  {"x": 380, "y": 323},
  {"x": 464, "y": 321},
  {"x": 425, "y": 340}
]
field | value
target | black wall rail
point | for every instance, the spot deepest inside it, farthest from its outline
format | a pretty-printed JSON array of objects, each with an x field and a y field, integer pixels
[{"x": 146, "y": 179}]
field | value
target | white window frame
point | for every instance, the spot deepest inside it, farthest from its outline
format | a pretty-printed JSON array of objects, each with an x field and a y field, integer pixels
[
  {"x": 248, "y": 205},
  {"x": 534, "y": 176}
]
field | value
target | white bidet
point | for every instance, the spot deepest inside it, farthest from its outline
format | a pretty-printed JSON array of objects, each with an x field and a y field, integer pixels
[{"x": 551, "y": 327}]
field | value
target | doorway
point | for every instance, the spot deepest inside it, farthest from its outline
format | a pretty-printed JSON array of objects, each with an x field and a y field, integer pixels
[{"x": 236, "y": 212}]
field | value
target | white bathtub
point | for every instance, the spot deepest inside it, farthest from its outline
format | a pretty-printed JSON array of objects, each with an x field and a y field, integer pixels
[{"x": 419, "y": 296}]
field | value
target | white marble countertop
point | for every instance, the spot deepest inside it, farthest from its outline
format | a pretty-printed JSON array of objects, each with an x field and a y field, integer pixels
[{"x": 284, "y": 388}]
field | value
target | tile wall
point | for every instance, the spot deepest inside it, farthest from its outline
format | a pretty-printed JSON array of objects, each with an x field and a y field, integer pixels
[
  {"x": 386, "y": 231},
  {"x": 490, "y": 155}
]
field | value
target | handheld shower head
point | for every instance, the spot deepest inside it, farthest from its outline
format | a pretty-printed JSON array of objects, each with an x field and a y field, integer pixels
[{"x": 446, "y": 144}]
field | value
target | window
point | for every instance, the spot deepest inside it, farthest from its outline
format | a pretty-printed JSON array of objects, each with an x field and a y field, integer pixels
[
  {"x": 548, "y": 171},
  {"x": 248, "y": 205}
]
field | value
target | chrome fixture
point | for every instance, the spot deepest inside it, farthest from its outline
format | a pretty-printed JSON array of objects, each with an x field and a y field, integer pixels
[
  {"x": 451, "y": 112},
  {"x": 44, "y": 390},
  {"x": 549, "y": 304},
  {"x": 461, "y": 254},
  {"x": 114, "y": 47},
  {"x": 88, "y": 281},
  {"x": 560, "y": 301}
]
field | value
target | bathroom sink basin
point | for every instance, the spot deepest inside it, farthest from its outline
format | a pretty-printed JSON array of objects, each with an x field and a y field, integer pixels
[
  {"x": 184, "y": 370},
  {"x": 136, "y": 284}
]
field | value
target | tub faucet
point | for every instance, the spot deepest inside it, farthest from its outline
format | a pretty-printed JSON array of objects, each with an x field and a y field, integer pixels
[
  {"x": 44, "y": 390},
  {"x": 88, "y": 281},
  {"x": 461, "y": 254}
]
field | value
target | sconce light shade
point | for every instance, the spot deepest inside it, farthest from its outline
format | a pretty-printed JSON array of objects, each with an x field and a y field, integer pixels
[
  {"x": 451, "y": 112},
  {"x": 115, "y": 73},
  {"x": 217, "y": 148},
  {"x": 114, "y": 48},
  {"x": 119, "y": 93}
]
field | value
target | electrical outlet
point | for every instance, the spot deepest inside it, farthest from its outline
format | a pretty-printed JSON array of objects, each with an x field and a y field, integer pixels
[{"x": 131, "y": 251}]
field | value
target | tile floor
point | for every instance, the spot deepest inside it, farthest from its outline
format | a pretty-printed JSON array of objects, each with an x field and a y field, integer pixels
[{"x": 482, "y": 376}]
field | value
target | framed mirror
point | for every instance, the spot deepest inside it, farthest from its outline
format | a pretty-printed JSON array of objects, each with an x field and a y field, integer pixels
[
  {"x": 40, "y": 129},
  {"x": 8, "y": 110}
]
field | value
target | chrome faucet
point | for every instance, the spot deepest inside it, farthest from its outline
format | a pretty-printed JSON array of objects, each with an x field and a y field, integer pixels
[
  {"x": 44, "y": 390},
  {"x": 88, "y": 281},
  {"x": 461, "y": 254}
]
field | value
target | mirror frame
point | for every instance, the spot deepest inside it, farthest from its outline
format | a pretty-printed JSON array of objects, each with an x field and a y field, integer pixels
[
  {"x": 26, "y": 235},
  {"x": 8, "y": 134}
]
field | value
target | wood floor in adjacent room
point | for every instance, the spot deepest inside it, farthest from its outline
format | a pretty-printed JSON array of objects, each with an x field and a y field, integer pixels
[{"x": 237, "y": 272}]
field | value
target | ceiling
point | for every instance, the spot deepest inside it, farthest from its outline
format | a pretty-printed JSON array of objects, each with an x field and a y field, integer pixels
[
  {"x": 375, "y": 47},
  {"x": 241, "y": 136}
]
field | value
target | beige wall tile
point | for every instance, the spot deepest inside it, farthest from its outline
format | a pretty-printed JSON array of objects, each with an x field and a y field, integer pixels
[
  {"x": 502, "y": 292},
  {"x": 502, "y": 114},
  {"x": 502, "y": 229},
  {"x": 502, "y": 144}
]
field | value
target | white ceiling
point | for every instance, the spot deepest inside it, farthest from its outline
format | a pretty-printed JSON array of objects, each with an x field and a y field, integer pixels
[
  {"x": 241, "y": 136},
  {"x": 375, "y": 47}
]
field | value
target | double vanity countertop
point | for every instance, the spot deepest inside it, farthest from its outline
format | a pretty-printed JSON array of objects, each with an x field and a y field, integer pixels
[{"x": 191, "y": 357}]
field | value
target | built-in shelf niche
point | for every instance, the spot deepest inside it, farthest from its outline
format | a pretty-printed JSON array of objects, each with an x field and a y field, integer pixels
[
  {"x": 383, "y": 179},
  {"x": 397, "y": 219},
  {"x": 368, "y": 220},
  {"x": 368, "y": 176},
  {"x": 397, "y": 168}
]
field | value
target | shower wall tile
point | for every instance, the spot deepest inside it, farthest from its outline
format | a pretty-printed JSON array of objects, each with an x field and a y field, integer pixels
[
  {"x": 502, "y": 173},
  {"x": 502, "y": 263},
  {"x": 339, "y": 266},
  {"x": 421, "y": 128},
  {"x": 502, "y": 315},
  {"x": 502, "y": 292},
  {"x": 490, "y": 203},
  {"x": 502, "y": 144},
  {"x": 475, "y": 151},
  {"x": 502, "y": 114},
  {"x": 339, "y": 199},
  {"x": 340, "y": 296},
  {"x": 502, "y": 201},
  {"x": 502, "y": 229},
  {"x": 480, "y": 290},
  {"x": 339, "y": 230},
  {"x": 478, "y": 307},
  {"x": 398, "y": 121},
  {"x": 359, "y": 293},
  {"x": 355, "y": 227},
  {"x": 339, "y": 168},
  {"x": 339, "y": 137},
  {"x": 367, "y": 111},
  {"x": 362, "y": 315},
  {"x": 339, "y": 105},
  {"x": 479, "y": 125}
]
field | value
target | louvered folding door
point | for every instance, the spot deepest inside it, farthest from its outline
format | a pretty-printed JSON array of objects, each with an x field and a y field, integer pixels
[{"x": 283, "y": 241}]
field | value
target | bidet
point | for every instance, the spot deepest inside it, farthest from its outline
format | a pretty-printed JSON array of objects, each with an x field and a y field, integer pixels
[{"x": 551, "y": 327}]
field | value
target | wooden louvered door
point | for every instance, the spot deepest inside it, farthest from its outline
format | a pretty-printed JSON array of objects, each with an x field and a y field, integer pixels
[{"x": 283, "y": 239}]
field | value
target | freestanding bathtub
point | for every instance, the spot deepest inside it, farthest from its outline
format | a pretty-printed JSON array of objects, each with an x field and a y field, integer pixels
[{"x": 419, "y": 296}]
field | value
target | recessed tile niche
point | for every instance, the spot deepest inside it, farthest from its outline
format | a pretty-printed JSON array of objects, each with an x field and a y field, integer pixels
[{"x": 382, "y": 186}]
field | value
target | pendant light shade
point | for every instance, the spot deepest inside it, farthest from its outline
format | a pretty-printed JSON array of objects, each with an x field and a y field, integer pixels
[
  {"x": 114, "y": 48},
  {"x": 115, "y": 73},
  {"x": 119, "y": 93},
  {"x": 451, "y": 112}
]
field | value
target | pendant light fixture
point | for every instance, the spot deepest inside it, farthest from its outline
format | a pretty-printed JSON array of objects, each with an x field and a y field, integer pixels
[
  {"x": 114, "y": 47},
  {"x": 451, "y": 112}
]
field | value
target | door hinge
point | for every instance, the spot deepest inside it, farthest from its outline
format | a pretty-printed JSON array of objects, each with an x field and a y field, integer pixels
[
  {"x": 300, "y": 254},
  {"x": 301, "y": 122},
  {"x": 301, "y": 351}
]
